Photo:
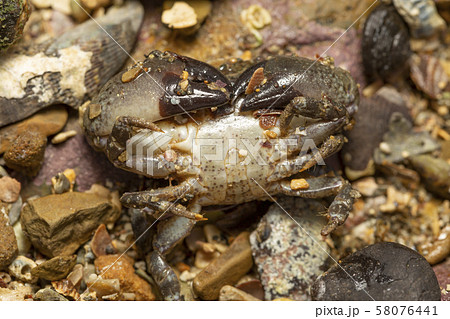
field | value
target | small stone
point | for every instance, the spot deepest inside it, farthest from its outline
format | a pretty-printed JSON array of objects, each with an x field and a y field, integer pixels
[
  {"x": 101, "y": 242},
  {"x": 442, "y": 272},
  {"x": 203, "y": 259},
  {"x": 8, "y": 243},
  {"x": 60, "y": 184},
  {"x": 58, "y": 224},
  {"x": 76, "y": 275},
  {"x": 56, "y": 268},
  {"x": 63, "y": 136},
  {"x": 26, "y": 153},
  {"x": 383, "y": 271},
  {"x": 224, "y": 270},
  {"x": 180, "y": 16},
  {"x": 23, "y": 243},
  {"x": 14, "y": 211},
  {"x": 121, "y": 268},
  {"x": 103, "y": 287},
  {"x": 9, "y": 189},
  {"x": 46, "y": 122},
  {"x": 435, "y": 173},
  {"x": 366, "y": 186},
  {"x": 21, "y": 268},
  {"x": 48, "y": 294},
  {"x": 289, "y": 254},
  {"x": 230, "y": 293},
  {"x": 300, "y": 183}
]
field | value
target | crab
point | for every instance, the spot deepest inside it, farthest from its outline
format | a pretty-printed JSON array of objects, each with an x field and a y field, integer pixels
[{"x": 180, "y": 119}]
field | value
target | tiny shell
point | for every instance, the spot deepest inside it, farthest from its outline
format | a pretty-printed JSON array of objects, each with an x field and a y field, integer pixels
[
  {"x": 66, "y": 288},
  {"x": 429, "y": 75},
  {"x": 21, "y": 269}
]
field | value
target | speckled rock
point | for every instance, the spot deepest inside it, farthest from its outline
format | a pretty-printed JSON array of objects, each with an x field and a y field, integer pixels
[
  {"x": 48, "y": 294},
  {"x": 442, "y": 272},
  {"x": 289, "y": 258},
  {"x": 9, "y": 189},
  {"x": 13, "y": 16},
  {"x": 58, "y": 224},
  {"x": 235, "y": 262},
  {"x": 56, "y": 268},
  {"x": 8, "y": 243},
  {"x": 26, "y": 153},
  {"x": 383, "y": 271},
  {"x": 17, "y": 293},
  {"x": 110, "y": 268}
]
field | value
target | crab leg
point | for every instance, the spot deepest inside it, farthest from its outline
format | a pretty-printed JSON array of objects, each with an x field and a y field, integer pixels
[
  {"x": 303, "y": 162},
  {"x": 312, "y": 108},
  {"x": 340, "y": 208},
  {"x": 319, "y": 187},
  {"x": 164, "y": 276}
]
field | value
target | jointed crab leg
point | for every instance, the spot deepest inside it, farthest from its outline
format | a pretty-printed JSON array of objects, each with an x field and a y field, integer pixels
[
  {"x": 312, "y": 108},
  {"x": 305, "y": 161},
  {"x": 164, "y": 276},
  {"x": 319, "y": 187},
  {"x": 340, "y": 208}
]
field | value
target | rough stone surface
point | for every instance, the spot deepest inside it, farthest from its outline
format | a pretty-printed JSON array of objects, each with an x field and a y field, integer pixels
[
  {"x": 9, "y": 189},
  {"x": 48, "y": 294},
  {"x": 26, "y": 153},
  {"x": 56, "y": 268},
  {"x": 123, "y": 270},
  {"x": 58, "y": 224},
  {"x": 8, "y": 243},
  {"x": 289, "y": 255},
  {"x": 19, "y": 293},
  {"x": 235, "y": 262},
  {"x": 383, "y": 271}
]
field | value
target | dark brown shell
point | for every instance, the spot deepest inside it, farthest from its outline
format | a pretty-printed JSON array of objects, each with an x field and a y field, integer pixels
[{"x": 385, "y": 44}]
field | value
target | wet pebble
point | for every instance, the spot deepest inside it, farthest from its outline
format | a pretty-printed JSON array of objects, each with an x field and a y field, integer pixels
[
  {"x": 383, "y": 271},
  {"x": 289, "y": 257},
  {"x": 55, "y": 269},
  {"x": 113, "y": 267},
  {"x": 385, "y": 44},
  {"x": 442, "y": 272},
  {"x": 8, "y": 243},
  {"x": 58, "y": 224},
  {"x": 235, "y": 262},
  {"x": 9, "y": 189}
]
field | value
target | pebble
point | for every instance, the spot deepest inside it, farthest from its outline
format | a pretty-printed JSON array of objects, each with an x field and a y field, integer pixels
[
  {"x": 21, "y": 268},
  {"x": 252, "y": 287},
  {"x": 8, "y": 243},
  {"x": 60, "y": 184},
  {"x": 102, "y": 287},
  {"x": 385, "y": 271},
  {"x": 230, "y": 293},
  {"x": 13, "y": 16},
  {"x": 76, "y": 276},
  {"x": 235, "y": 262},
  {"x": 66, "y": 288},
  {"x": 14, "y": 211},
  {"x": 55, "y": 269},
  {"x": 101, "y": 243},
  {"x": 26, "y": 153},
  {"x": 48, "y": 294},
  {"x": 435, "y": 173},
  {"x": 59, "y": 224},
  {"x": 9, "y": 189},
  {"x": 289, "y": 258},
  {"x": 23, "y": 243},
  {"x": 46, "y": 122},
  {"x": 429, "y": 75},
  {"x": 123, "y": 270}
]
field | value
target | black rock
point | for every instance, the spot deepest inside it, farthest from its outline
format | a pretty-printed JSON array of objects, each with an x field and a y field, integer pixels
[
  {"x": 385, "y": 44},
  {"x": 383, "y": 271}
]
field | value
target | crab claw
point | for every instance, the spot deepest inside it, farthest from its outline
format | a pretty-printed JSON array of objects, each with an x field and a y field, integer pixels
[
  {"x": 163, "y": 85},
  {"x": 274, "y": 83}
]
